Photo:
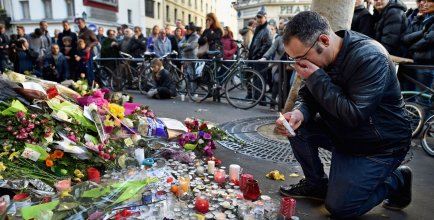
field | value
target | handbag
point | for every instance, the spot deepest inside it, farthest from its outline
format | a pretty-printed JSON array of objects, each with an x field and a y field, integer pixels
[{"x": 203, "y": 49}]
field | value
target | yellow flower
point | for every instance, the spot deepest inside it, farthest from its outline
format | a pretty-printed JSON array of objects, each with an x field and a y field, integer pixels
[
  {"x": 108, "y": 122},
  {"x": 65, "y": 194},
  {"x": 14, "y": 155},
  {"x": 77, "y": 171},
  {"x": 116, "y": 110},
  {"x": 2, "y": 166}
]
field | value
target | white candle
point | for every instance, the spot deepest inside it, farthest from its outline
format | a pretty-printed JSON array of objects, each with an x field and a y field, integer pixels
[
  {"x": 211, "y": 166},
  {"x": 234, "y": 172}
]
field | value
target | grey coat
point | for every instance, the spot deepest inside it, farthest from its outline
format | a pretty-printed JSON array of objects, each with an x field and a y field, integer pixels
[
  {"x": 188, "y": 47},
  {"x": 276, "y": 51}
]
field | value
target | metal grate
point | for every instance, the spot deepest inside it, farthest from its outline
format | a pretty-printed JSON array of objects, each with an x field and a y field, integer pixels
[{"x": 262, "y": 146}]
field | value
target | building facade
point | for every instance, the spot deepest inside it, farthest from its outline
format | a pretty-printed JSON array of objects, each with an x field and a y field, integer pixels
[{"x": 105, "y": 13}]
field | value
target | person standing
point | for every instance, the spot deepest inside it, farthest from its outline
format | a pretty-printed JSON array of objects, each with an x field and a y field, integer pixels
[
  {"x": 261, "y": 42},
  {"x": 390, "y": 24},
  {"x": 100, "y": 36},
  {"x": 212, "y": 35},
  {"x": 91, "y": 41},
  {"x": 56, "y": 61},
  {"x": 110, "y": 49},
  {"x": 21, "y": 33},
  {"x": 4, "y": 46},
  {"x": 188, "y": 48},
  {"x": 153, "y": 38},
  {"x": 43, "y": 25},
  {"x": 138, "y": 43},
  {"x": 162, "y": 45},
  {"x": 363, "y": 21},
  {"x": 67, "y": 32},
  {"x": 247, "y": 33},
  {"x": 350, "y": 104}
]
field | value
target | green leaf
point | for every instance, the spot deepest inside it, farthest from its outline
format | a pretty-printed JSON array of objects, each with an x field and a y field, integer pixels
[
  {"x": 190, "y": 146},
  {"x": 31, "y": 212},
  {"x": 38, "y": 149}
]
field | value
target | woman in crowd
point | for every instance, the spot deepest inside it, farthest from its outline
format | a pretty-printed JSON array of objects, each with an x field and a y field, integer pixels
[
  {"x": 188, "y": 47},
  {"x": 211, "y": 35},
  {"x": 229, "y": 46},
  {"x": 153, "y": 38},
  {"x": 165, "y": 87}
]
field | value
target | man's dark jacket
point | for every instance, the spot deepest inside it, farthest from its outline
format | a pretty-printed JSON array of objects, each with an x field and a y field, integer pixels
[
  {"x": 363, "y": 21},
  {"x": 68, "y": 33},
  {"x": 390, "y": 25},
  {"x": 261, "y": 42},
  {"x": 421, "y": 41},
  {"x": 137, "y": 46},
  {"x": 359, "y": 99}
]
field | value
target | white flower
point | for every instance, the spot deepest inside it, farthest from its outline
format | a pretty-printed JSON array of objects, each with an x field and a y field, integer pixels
[
  {"x": 61, "y": 115},
  {"x": 79, "y": 82},
  {"x": 128, "y": 122},
  {"x": 50, "y": 138},
  {"x": 93, "y": 107},
  {"x": 200, "y": 141},
  {"x": 125, "y": 98}
]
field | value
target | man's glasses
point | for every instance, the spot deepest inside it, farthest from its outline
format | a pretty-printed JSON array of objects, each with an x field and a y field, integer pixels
[{"x": 298, "y": 58}]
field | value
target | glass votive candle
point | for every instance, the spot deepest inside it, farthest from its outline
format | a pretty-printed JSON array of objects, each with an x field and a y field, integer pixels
[{"x": 220, "y": 176}]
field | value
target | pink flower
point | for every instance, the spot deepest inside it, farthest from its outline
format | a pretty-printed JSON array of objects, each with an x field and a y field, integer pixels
[
  {"x": 151, "y": 114},
  {"x": 20, "y": 114},
  {"x": 207, "y": 136},
  {"x": 207, "y": 150},
  {"x": 31, "y": 126},
  {"x": 72, "y": 137},
  {"x": 33, "y": 116},
  {"x": 9, "y": 122},
  {"x": 24, "y": 121},
  {"x": 9, "y": 128},
  {"x": 37, "y": 123},
  {"x": 22, "y": 130}
]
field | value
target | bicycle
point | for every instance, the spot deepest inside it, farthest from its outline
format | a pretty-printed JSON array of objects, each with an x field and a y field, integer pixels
[
  {"x": 176, "y": 74},
  {"x": 243, "y": 87},
  {"x": 138, "y": 77},
  {"x": 102, "y": 73}
]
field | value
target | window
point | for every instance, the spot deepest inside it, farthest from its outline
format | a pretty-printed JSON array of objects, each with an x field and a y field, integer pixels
[
  {"x": 149, "y": 8},
  {"x": 25, "y": 9},
  {"x": 183, "y": 16},
  {"x": 176, "y": 14},
  {"x": 70, "y": 9},
  {"x": 195, "y": 20},
  {"x": 201, "y": 5},
  {"x": 48, "y": 9},
  {"x": 195, "y": 4},
  {"x": 189, "y": 2},
  {"x": 158, "y": 10},
  {"x": 206, "y": 7},
  {"x": 130, "y": 15},
  {"x": 167, "y": 13},
  {"x": 189, "y": 18}
]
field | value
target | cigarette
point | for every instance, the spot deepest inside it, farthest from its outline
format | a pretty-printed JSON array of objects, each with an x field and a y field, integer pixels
[{"x": 286, "y": 124}]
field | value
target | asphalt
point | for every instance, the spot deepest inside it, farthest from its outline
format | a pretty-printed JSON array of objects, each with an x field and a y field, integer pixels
[{"x": 422, "y": 206}]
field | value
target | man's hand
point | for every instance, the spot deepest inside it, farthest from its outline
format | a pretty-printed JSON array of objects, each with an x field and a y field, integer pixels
[
  {"x": 294, "y": 118},
  {"x": 262, "y": 59},
  {"x": 305, "y": 68}
]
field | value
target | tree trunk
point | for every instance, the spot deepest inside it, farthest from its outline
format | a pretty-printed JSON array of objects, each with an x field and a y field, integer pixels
[{"x": 340, "y": 14}]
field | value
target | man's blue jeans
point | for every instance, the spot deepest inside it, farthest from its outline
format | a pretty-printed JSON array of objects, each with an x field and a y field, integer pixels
[{"x": 356, "y": 184}]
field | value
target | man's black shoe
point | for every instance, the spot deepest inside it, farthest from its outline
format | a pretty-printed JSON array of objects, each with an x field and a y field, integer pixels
[
  {"x": 304, "y": 190},
  {"x": 402, "y": 197}
]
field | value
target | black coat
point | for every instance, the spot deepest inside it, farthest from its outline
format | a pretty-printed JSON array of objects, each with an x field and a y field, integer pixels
[
  {"x": 359, "y": 99},
  {"x": 420, "y": 42},
  {"x": 363, "y": 21},
  {"x": 69, "y": 33},
  {"x": 390, "y": 25},
  {"x": 261, "y": 42},
  {"x": 213, "y": 37},
  {"x": 137, "y": 46},
  {"x": 163, "y": 79}
]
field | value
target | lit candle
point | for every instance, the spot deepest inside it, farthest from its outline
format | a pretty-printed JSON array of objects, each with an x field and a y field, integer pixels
[
  {"x": 184, "y": 185},
  {"x": 211, "y": 166},
  {"x": 234, "y": 173},
  {"x": 219, "y": 176}
]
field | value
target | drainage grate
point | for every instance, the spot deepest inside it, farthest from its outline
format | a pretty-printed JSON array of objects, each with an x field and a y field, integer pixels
[{"x": 263, "y": 145}]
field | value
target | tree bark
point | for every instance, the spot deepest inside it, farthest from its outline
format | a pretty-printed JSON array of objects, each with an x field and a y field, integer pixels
[{"x": 339, "y": 13}]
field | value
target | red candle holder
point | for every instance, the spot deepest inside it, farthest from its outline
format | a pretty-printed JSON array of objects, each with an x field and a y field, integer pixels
[
  {"x": 243, "y": 180},
  {"x": 220, "y": 176},
  {"x": 202, "y": 205},
  {"x": 287, "y": 207},
  {"x": 252, "y": 191},
  {"x": 94, "y": 175}
]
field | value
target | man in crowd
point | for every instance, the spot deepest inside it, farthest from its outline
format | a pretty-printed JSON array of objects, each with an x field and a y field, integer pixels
[
  {"x": 261, "y": 42},
  {"x": 162, "y": 44},
  {"x": 4, "y": 45},
  {"x": 179, "y": 24},
  {"x": 350, "y": 104},
  {"x": 46, "y": 39},
  {"x": 67, "y": 32},
  {"x": 138, "y": 43},
  {"x": 21, "y": 33},
  {"x": 100, "y": 36},
  {"x": 57, "y": 63},
  {"x": 390, "y": 25},
  {"x": 363, "y": 21}
]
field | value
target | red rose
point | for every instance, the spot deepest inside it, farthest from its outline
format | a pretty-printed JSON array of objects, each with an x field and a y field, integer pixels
[{"x": 52, "y": 92}]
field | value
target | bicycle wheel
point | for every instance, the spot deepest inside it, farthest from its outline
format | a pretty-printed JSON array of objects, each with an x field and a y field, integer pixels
[
  {"x": 144, "y": 77},
  {"x": 416, "y": 115},
  {"x": 200, "y": 88},
  {"x": 428, "y": 137},
  {"x": 103, "y": 75},
  {"x": 245, "y": 89},
  {"x": 118, "y": 79}
]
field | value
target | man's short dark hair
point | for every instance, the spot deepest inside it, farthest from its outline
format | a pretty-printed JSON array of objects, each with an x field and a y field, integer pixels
[
  {"x": 306, "y": 26},
  {"x": 65, "y": 22},
  {"x": 43, "y": 21},
  {"x": 251, "y": 22},
  {"x": 81, "y": 19},
  {"x": 124, "y": 26}
]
